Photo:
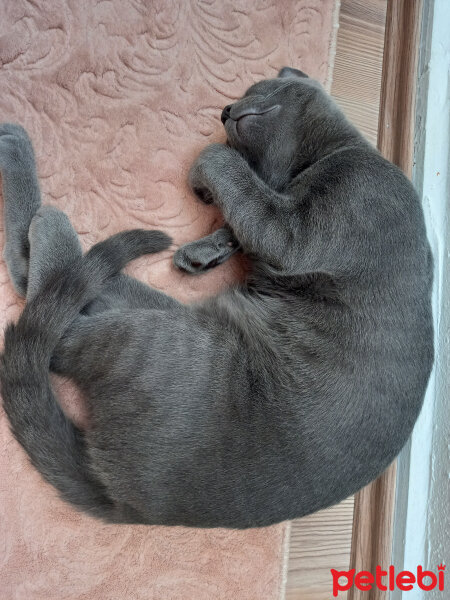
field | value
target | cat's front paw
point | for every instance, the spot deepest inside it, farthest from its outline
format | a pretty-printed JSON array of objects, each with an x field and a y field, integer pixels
[
  {"x": 208, "y": 170},
  {"x": 16, "y": 150}
]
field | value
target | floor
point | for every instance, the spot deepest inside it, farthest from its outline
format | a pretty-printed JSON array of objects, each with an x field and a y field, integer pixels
[{"x": 322, "y": 540}]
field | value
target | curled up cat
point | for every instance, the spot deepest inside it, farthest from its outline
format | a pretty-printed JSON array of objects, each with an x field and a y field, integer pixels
[{"x": 273, "y": 399}]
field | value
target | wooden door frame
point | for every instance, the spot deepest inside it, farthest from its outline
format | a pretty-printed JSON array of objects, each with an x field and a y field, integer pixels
[{"x": 373, "y": 520}]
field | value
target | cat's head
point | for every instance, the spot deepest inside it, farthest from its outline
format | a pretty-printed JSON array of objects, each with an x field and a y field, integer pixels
[{"x": 270, "y": 124}]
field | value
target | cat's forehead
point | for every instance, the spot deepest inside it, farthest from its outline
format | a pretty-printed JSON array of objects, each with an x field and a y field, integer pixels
[
  {"x": 261, "y": 88},
  {"x": 267, "y": 87}
]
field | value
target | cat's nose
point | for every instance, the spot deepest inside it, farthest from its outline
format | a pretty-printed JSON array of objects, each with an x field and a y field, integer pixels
[{"x": 225, "y": 113}]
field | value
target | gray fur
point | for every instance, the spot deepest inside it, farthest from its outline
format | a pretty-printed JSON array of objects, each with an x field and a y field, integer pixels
[
  {"x": 207, "y": 253},
  {"x": 20, "y": 183},
  {"x": 271, "y": 400}
]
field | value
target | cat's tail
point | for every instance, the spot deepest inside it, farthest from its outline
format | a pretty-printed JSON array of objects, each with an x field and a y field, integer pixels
[{"x": 54, "y": 444}]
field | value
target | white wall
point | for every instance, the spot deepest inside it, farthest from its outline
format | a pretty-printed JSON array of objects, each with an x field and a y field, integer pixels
[{"x": 422, "y": 520}]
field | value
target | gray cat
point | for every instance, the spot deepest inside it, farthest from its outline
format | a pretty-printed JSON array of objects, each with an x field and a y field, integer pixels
[{"x": 276, "y": 398}]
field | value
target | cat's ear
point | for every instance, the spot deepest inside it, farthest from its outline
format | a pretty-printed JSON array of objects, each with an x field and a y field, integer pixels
[{"x": 290, "y": 72}]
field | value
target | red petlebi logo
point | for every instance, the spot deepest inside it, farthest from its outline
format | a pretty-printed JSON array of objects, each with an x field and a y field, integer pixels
[{"x": 388, "y": 580}]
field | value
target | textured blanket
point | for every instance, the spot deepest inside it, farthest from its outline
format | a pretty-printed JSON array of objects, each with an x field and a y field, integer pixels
[{"x": 119, "y": 96}]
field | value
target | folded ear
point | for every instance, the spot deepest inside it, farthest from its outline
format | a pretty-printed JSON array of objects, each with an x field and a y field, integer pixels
[{"x": 290, "y": 72}]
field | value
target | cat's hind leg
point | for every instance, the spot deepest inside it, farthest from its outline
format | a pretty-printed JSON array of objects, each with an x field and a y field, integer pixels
[
  {"x": 21, "y": 197},
  {"x": 208, "y": 252},
  {"x": 54, "y": 245},
  {"x": 123, "y": 292}
]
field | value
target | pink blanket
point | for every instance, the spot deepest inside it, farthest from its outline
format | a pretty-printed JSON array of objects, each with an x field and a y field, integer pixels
[{"x": 118, "y": 97}]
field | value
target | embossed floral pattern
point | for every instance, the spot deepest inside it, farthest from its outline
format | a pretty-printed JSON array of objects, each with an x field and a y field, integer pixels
[{"x": 119, "y": 96}]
